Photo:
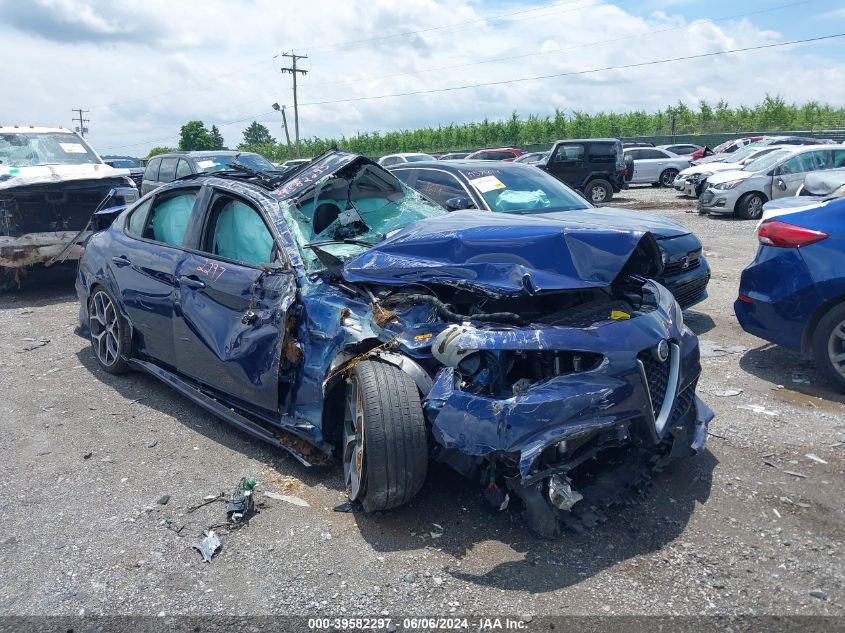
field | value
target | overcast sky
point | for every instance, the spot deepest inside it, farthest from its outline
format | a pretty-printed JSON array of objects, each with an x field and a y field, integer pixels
[{"x": 144, "y": 68}]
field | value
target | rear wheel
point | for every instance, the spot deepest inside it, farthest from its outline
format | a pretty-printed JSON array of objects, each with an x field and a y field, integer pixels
[
  {"x": 667, "y": 178},
  {"x": 110, "y": 337},
  {"x": 750, "y": 206},
  {"x": 829, "y": 344},
  {"x": 599, "y": 191},
  {"x": 385, "y": 449}
]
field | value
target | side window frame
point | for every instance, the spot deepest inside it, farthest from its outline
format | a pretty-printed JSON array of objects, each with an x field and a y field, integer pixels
[
  {"x": 155, "y": 163},
  {"x": 161, "y": 166},
  {"x": 455, "y": 181},
  {"x": 162, "y": 197},
  {"x": 140, "y": 208},
  {"x": 187, "y": 165}
]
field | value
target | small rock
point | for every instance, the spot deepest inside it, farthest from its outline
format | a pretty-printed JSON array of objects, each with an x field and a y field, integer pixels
[
  {"x": 163, "y": 499},
  {"x": 437, "y": 581},
  {"x": 87, "y": 455},
  {"x": 152, "y": 443},
  {"x": 411, "y": 577},
  {"x": 819, "y": 594},
  {"x": 727, "y": 393}
]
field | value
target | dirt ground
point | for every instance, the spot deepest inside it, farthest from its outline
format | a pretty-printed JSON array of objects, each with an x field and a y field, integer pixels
[{"x": 753, "y": 526}]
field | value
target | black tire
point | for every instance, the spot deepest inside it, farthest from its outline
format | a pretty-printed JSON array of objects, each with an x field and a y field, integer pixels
[
  {"x": 829, "y": 344},
  {"x": 111, "y": 341},
  {"x": 750, "y": 206},
  {"x": 667, "y": 178},
  {"x": 385, "y": 447},
  {"x": 599, "y": 191}
]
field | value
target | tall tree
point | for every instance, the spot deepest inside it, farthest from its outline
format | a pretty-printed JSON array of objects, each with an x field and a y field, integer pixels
[
  {"x": 217, "y": 141},
  {"x": 257, "y": 134},
  {"x": 155, "y": 151},
  {"x": 195, "y": 136}
]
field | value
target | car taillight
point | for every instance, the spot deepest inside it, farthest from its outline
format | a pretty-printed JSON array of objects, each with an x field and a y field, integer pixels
[{"x": 785, "y": 235}]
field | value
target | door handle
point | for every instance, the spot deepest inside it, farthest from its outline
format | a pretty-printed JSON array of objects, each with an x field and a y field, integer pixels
[
  {"x": 120, "y": 261},
  {"x": 192, "y": 281}
]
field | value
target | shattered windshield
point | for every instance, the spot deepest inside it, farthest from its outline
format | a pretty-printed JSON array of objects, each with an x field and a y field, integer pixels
[
  {"x": 528, "y": 190},
  {"x": 31, "y": 149},
  {"x": 360, "y": 203},
  {"x": 209, "y": 164}
]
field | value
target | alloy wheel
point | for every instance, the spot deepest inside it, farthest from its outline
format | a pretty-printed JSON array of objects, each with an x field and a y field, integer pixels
[
  {"x": 836, "y": 348},
  {"x": 105, "y": 328},
  {"x": 598, "y": 194},
  {"x": 353, "y": 442},
  {"x": 755, "y": 207},
  {"x": 668, "y": 178}
]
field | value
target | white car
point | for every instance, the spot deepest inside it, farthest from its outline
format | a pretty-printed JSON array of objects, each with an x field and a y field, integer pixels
[
  {"x": 655, "y": 166},
  {"x": 693, "y": 180},
  {"x": 410, "y": 157}
]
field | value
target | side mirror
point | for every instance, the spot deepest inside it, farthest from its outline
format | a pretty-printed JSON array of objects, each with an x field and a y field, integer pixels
[
  {"x": 459, "y": 202},
  {"x": 781, "y": 184}
]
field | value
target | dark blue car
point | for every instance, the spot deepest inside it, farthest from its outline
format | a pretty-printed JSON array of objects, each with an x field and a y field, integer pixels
[
  {"x": 793, "y": 293},
  {"x": 337, "y": 314},
  {"x": 516, "y": 188}
]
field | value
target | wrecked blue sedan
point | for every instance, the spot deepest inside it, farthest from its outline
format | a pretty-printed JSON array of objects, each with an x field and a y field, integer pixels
[{"x": 336, "y": 314}]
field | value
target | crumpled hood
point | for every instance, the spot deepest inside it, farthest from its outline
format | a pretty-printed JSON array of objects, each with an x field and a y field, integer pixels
[
  {"x": 727, "y": 176},
  {"x": 623, "y": 219},
  {"x": 504, "y": 254},
  {"x": 41, "y": 174}
]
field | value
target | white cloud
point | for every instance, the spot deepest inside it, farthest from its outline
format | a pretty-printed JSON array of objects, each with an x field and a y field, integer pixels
[{"x": 143, "y": 69}]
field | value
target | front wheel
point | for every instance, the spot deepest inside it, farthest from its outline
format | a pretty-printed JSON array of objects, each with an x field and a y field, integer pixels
[
  {"x": 385, "y": 449},
  {"x": 829, "y": 344},
  {"x": 599, "y": 191},
  {"x": 110, "y": 337},
  {"x": 750, "y": 206},
  {"x": 667, "y": 178}
]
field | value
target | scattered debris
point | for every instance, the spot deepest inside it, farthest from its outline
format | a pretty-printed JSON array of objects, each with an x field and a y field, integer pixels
[
  {"x": 33, "y": 343},
  {"x": 208, "y": 546},
  {"x": 436, "y": 534},
  {"x": 152, "y": 443},
  {"x": 163, "y": 499},
  {"x": 347, "y": 506},
  {"x": 757, "y": 408},
  {"x": 800, "y": 379},
  {"x": 727, "y": 393},
  {"x": 206, "y": 500},
  {"x": 288, "y": 499},
  {"x": 815, "y": 458},
  {"x": 794, "y": 474},
  {"x": 818, "y": 594},
  {"x": 777, "y": 514},
  {"x": 711, "y": 349},
  {"x": 240, "y": 502},
  {"x": 325, "y": 536},
  {"x": 410, "y": 577}
]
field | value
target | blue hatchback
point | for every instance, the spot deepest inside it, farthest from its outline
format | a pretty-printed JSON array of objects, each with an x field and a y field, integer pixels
[{"x": 793, "y": 293}]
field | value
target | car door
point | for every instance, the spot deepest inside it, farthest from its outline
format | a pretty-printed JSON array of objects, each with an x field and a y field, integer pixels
[
  {"x": 145, "y": 258},
  {"x": 567, "y": 164},
  {"x": 150, "y": 180},
  {"x": 233, "y": 295},
  {"x": 790, "y": 174},
  {"x": 651, "y": 163}
]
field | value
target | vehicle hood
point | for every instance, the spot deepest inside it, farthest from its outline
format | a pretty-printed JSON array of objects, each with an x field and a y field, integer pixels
[
  {"x": 504, "y": 254},
  {"x": 727, "y": 176},
  {"x": 622, "y": 219},
  {"x": 709, "y": 168},
  {"x": 45, "y": 174}
]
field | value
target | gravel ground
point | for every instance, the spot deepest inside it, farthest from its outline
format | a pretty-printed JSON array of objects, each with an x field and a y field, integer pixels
[{"x": 88, "y": 458}]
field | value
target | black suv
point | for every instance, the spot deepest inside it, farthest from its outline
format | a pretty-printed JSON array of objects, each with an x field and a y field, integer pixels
[
  {"x": 166, "y": 168},
  {"x": 594, "y": 166}
]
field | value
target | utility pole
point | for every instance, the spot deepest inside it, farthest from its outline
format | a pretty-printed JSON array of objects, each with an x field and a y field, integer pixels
[
  {"x": 293, "y": 70},
  {"x": 281, "y": 109},
  {"x": 81, "y": 127}
]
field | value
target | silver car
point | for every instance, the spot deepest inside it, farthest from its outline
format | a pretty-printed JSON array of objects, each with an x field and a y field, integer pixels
[
  {"x": 692, "y": 181},
  {"x": 778, "y": 174},
  {"x": 655, "y": 166}
]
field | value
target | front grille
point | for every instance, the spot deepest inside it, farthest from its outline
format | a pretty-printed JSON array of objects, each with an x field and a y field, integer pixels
[
  {"x": 690, "y": 292},
  {"x": 657, "y": 378},
  {"x": 706, "y": 198},
  {"x": 677, "y": 267},
  {"x": 682, "y": 404},
  {"x": 137, "y": 179}
]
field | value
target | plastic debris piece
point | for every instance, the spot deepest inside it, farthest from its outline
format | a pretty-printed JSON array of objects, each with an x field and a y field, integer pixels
[
  {"x": 757, "y": 408},
  {"x": 208, "y": 546},
  {"x": 815, "y": 458},
  {"x": 436, "y": 534},
  {"x": 288, "y": 499},
  {"x": 777, "y": 514},
  {"x": 794, "y": 474},
  {"x": 347, "y": 506},
  {"x": 33, "y": 343},
  {"x": 163, "y": 499},
  {"x": 618, "y": 315},
  {"x": 727, "y": 393},
  {"x": 240, "y": 503}
]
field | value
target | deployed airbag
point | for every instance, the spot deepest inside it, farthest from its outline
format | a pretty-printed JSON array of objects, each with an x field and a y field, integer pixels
[{"x": 241, "y": 235}]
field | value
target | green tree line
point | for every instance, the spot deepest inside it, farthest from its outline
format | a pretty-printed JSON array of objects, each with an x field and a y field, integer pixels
[{"x": 772, "y": 114}]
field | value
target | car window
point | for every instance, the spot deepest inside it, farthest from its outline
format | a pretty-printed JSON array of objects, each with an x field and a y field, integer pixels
[
  {"x": 419, "y": 157},
  {"x": 238, "y": 232},
  {"x": 569, "y": 152},
  {"x": 650, "y": 154},
  {"x": 821, "y": 159},
  {"x": 403, "y": 174},
  {"x": 183, "y": 168},
  {"x": 167, "y": 171},
  {"x": 602, "y": 153},
  {"x": 525, "y": 190},
  {"x": 838, "y": 158},
  {"x": 505, "y": 155},
  {"x": 798, "y": 164},
  {"x": 169, "y": 217},
  {"x": 439, "y": 186},
  {"x": 767, "y": 161},
  {"x": 390, "y": 161},
  {"x": 138, "y": 217},
  {"x": 151, "y": 172}
]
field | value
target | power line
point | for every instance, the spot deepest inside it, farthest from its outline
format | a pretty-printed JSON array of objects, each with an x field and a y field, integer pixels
[
  {"x": 81, "y": 128},
  {"x": 560, "y": 50},
  {"x": 577, "y": 72},
  {"x": 294, "y": 71}
]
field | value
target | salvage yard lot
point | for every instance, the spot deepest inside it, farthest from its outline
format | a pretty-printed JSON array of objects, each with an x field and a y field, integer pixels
[{"x": 751, "y": 526}]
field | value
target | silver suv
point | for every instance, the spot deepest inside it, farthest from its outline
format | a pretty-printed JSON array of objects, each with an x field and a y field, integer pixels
[{"x": 778, "y": 174}]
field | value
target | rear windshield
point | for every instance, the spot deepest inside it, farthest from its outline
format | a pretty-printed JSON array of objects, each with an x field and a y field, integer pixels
[
  {"x": 527, "y": 190},
  {"x": 29, "y": 149},
  {"x": 412, "y": 158},
  {"x": 208, "y": 164}
]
